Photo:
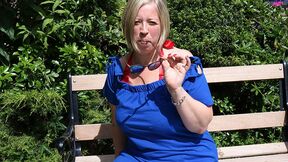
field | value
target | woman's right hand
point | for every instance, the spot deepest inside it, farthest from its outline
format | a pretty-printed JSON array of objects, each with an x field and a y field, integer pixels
[{"x": 175, "y": 68}]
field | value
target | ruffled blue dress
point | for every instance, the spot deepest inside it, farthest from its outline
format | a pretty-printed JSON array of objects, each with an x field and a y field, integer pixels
[{"x": 153, "y": 127}]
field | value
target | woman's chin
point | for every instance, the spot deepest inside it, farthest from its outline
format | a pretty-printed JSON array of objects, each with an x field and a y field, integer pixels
[{"x": 146, "y": 48}]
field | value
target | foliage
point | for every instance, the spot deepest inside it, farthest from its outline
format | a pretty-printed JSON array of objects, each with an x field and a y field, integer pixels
[
  {"x": 37, "y": 111},
  {"x": 93, "y": 108},
  {"x": 31, "y": 120},
  {"x": 76, "y": 60},
  {"x": 230, "y": 32},
  {"x": 24, "y": 148},
  {"x": 247, "y": 137},
  {"x": 42, "y": 41}
]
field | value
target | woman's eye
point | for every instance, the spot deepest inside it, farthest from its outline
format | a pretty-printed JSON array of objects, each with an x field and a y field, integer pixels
[
  {"x": 137, "y": 22},
  {"x": 153, "y": 23}
]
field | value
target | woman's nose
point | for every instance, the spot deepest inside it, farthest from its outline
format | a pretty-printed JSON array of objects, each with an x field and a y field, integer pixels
[{"x": 144, "y": 29}]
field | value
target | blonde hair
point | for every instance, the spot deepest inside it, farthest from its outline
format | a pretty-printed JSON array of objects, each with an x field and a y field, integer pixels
[{"x": 130, "y": 14}]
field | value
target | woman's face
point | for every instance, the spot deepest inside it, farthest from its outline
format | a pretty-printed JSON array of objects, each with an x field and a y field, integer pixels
[{"x": 147, "y": 28}]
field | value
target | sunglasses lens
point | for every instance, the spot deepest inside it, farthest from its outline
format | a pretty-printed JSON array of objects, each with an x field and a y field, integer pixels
[
  {"x": 154, "y": 65},
  {"x": 136, "y": 69}
]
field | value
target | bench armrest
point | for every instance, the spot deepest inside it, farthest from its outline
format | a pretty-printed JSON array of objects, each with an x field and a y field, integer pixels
[
  {"x": 64, "y": 138},
  {"x": 65, "y": 144}
]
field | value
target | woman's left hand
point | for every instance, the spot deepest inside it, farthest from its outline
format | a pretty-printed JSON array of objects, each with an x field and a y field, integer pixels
[{"x": 175, "y": 68}]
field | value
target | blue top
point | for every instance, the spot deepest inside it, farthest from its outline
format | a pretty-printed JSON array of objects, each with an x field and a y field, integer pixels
[{"x": 150, "y": 121}]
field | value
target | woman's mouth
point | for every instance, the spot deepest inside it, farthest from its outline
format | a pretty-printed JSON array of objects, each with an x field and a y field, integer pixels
[{"x": 143, "y": 41}]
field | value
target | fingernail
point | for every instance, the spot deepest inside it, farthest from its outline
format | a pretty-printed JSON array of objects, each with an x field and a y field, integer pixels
[{"x": 161, "y": 53}]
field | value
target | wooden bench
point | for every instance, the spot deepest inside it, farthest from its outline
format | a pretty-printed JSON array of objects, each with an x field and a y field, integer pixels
[{"x": 268, "y": 152}]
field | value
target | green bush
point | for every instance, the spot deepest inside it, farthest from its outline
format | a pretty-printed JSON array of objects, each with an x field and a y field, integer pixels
[
  {"x": 42, "y": 41},
  {"x": 24, "y": 148},
  {"x": 31, "y": 121},
  {"x": 230, "y": 32}
]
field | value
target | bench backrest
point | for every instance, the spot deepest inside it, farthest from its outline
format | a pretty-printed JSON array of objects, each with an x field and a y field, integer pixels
[{"x": 219, "y": 123}]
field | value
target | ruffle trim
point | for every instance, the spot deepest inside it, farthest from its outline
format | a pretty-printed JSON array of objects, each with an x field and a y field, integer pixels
[{"x": 114, "y": 69}]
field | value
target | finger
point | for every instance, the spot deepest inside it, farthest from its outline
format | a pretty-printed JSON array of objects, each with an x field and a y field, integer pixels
[
  {"x": 181, "y": 68},
  {"x": 171, "y": 60},
  {"x": 161, "y": 53},
  {"x": 188, "y": 63},
  {"x": 165, "y": 65},
  {"x": 180, "y": 58}
]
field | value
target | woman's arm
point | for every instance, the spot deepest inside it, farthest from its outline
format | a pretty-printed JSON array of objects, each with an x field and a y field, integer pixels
[
  {"x": 119, "y": 138},
  {"x": 195, "y": 115}
]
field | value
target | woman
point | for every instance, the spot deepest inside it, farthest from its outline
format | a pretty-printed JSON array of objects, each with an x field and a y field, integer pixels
[{"x": 161, "y": 102}]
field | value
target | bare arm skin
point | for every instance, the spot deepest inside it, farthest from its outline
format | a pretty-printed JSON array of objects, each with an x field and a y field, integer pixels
[
  {"x": 195, "y": 115},
  {"x": 119, "y": 138}
]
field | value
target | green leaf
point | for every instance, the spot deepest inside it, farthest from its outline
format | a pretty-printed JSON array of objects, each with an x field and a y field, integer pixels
[
  {"x": 46, "y": 22},
  {"x": 55, "y": 27},
  {"x": 40, "y": 32},
  {"x": 61, "y": 11},
  {"x": 22, "y": 27},
  {"x": 46, "y": 2},
  {"x": 9, "y": 31},
  {"x": 56, "y": 4},
  {"x": 4, "y": 54},
  {"x": 25, "y": 36},
  {"x": 22, "y": 32}
]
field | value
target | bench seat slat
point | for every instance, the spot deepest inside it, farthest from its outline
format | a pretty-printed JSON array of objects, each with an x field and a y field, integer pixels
[
  {"x": 266, "y": 158},
  {"x": 252, "y": 150},
  {"x": 213, "y": 75},
  {"x": 247, "y": 153},
  {"x": 95, "y": 158},
  {"x": 219, "y": 123}
]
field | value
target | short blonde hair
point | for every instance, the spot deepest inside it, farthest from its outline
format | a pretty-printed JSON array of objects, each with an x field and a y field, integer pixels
[{"x": 130, "y": 14}]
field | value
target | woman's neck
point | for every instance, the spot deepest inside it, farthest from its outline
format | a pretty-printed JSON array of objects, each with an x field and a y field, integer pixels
[{"x": 144, "y": 58}]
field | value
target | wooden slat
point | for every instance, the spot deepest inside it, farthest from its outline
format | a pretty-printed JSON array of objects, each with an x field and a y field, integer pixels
[
  {"x": 247, "y": 121},
  {"x": 259, "y": 152},
  {"x": 213, "y": 75},
  {"x": 244, "y": 73},
  {"x": 88, "y": 82},
  {"x": 266, "y": 158},
  {"x": 252, "y": 150},
  {"x": 99, "y": 158},
  {"x": 93, "y": 131},
  {"x": 219, "y": 123}
]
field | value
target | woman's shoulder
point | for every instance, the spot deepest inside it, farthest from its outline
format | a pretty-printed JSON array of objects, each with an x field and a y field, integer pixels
[
  {"x": 120, "y": 60},
  {"x": 114, "y": 65}
]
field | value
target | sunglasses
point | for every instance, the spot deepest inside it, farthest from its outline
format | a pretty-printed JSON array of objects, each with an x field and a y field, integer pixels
[{"x": 134, "y": 69}]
